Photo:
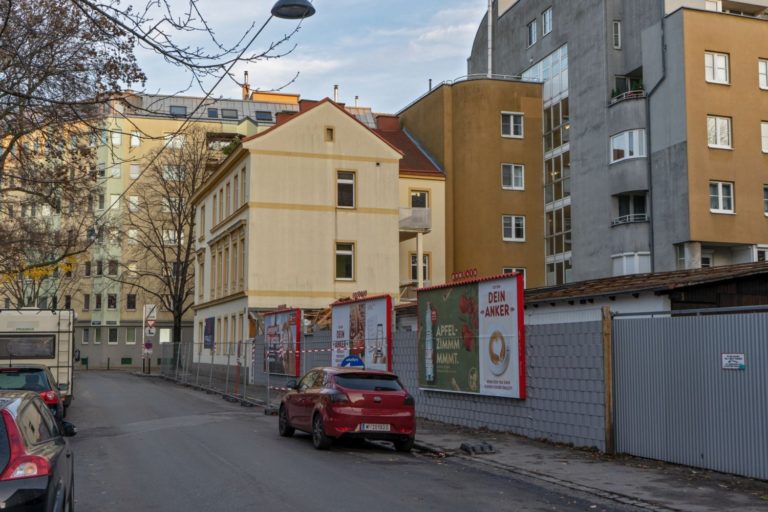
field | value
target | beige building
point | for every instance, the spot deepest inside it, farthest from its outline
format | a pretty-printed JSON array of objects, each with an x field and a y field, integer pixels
[{"x": 302, "y": 214}]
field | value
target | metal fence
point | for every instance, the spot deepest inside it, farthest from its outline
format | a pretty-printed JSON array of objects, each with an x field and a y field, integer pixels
[{"x": 677, "y": 400}]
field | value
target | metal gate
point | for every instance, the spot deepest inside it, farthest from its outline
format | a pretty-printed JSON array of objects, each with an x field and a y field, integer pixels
[{"x": 693, "y": 389}]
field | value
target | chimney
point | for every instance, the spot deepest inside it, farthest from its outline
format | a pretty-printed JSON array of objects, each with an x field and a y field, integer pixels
[
  {"x": 246, "y": 87},
  {"x": 356, "y": 98},
  {"x": 430, "y": 84},
  {"x": 336, "y": 93}
]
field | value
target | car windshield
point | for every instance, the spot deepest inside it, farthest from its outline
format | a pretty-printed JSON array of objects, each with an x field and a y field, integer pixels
[
  {"x": 28, "y": 379},
  {"x": 368, "y": 382}
]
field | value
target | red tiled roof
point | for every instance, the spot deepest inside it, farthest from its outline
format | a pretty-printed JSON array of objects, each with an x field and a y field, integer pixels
[{"x": 414, "y": 160}]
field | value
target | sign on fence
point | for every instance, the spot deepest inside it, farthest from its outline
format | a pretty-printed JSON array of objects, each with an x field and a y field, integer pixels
[
  {"x": 209, "y": 334},
  {"x": 471, "y": 337},
  {"x": 282, "y": 330},
  {"x": 363, "y": 328},
  {"x": 733, "y": 362}
]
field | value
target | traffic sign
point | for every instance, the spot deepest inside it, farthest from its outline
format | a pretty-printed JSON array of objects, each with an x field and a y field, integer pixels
[
  {"x": 151, "y": 322},
  {"x": 150, "y": 331}
]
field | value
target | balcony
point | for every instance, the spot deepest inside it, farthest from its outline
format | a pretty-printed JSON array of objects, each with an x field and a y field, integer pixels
[
  {"x": 630, "y": 219},
  {"x": 414, "y": 221},
  {"x": 637, "y": 94}
]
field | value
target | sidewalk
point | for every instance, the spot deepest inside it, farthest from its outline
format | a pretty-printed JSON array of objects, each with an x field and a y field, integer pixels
[{"x": 646, "y": 484}]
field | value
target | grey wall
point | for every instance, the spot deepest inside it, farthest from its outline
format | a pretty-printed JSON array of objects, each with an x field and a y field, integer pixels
[
  {"x": 564, "y": 375},
  {"x": 106, "y": 354},
  {"x": 674, "y": 402}
]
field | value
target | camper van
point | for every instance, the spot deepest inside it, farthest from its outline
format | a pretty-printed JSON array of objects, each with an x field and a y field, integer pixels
[{"x": 40, "y": 336}]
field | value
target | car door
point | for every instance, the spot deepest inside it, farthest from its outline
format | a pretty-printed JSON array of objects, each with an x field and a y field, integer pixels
[
  {"x": 313, "y": 394},
  {"x": 298, "y": 411}
]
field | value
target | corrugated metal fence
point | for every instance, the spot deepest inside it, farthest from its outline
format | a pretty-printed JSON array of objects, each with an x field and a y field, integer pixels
[{"x": 675, "y": 402}]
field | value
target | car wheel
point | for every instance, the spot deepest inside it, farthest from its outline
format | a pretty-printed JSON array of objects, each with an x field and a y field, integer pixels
[
  {"x": 319, "y": 439},
  {"x": 283, "y": 425},
  {"x": 404, "y": 445}
]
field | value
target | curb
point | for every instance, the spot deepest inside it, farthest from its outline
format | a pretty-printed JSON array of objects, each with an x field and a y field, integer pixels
[{"x": 600, "y": 493}]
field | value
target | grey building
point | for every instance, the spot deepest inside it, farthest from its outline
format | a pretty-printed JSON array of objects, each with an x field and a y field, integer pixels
[{"x": 621, "y": 130}]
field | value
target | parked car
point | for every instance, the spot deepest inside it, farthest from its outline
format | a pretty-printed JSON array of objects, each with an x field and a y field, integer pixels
[
  {"x": 37, "y": 378},
  {"x": 36, "y": 460},
  {"x": 333, "y": 403}
]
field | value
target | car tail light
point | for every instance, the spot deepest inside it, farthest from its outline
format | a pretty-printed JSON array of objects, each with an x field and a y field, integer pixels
[
  {"x": 409, "y": 400},
  {"x": 49, "y": 397},
  {"x": 20, "y": 463},
  {"x": 336, "y": 396}
]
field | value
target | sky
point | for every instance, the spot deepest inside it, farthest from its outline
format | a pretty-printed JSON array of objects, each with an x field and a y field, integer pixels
[{"x": 383, "y": 51}]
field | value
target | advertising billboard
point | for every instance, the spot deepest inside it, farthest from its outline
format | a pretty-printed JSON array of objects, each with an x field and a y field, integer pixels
[
  {"x": 282, "y": 342},
  {"x": 363, "y": 328},
  {"x": 471, "y": 337},
  {"x": 209, "y": 331}
]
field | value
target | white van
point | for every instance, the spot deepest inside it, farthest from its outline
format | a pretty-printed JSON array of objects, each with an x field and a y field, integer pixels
[{"x": 40, "y": 336}]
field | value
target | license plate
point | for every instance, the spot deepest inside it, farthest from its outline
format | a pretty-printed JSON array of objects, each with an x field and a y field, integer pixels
[{"x": 374, "y": 427}]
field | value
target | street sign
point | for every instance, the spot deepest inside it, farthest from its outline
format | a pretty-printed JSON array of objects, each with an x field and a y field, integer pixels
[
  {"x": 150, "y": 323},
  {"x": 150, "y": 312},
  {"x": 150, "y": 331},
  {"x": 352, "y": 362}
]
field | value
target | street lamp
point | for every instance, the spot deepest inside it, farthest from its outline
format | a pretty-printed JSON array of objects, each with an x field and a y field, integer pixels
[{"x": 293, "y": 9}]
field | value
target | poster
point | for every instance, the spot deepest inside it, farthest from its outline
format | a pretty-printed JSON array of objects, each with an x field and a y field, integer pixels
[
  {"x": 471, "y": 337},
  {"x": 209, "y": 341},
  {"x": 363, "y": 328},
  {"x": 282, "y": 342}
]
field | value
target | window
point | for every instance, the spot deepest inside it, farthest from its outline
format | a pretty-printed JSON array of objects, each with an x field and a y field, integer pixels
[
  {"x": 101, "y": 201},
  {"x": 617, "y": 35},
  {"x": 235, "y": 192},
  {"x": 133, "y": 268},
  {"x": 345, "y": 261},
  {"x": 173, "y": 173},
  {"x": 761, "y": 253},
  {"x": 713, "y": 5},
  {"x": 329, "y": 134},
  {"x": 213, "y": 113},
  {"x": 165, "y": 335},
  {"x": 174, "y": 140},
  {"x": 117, "y": 138},
  {"x": 513, "y": 228},
  {"x": 112, "y": 333},
  {"x": 87, "y": 269},
  {"x": 133, "y": 237},
  {"x": 215, "y": 218},
  {"x": 762, "y": 72},
  {"x": 629, "y": 144},
  {"x": 178, "y": 111},
  {"x": 546, "y": 22},
  {"x": 169, "y": 237},
  {"x": 86, "y": 335},
  {"x": 264, "y": 115},
  {"x": 764, "y": 136},
  {"x": 631, "y": 208},
  {"x": 229, "y": 113},
  {"x": 345, "y": 189},
  {"x": 135, "y": 171},
  {"x": 419, "y": 199},
  {"x": 424, "y": 267},
  {"x": 707, "y": 259},
  {"x": 512, "y": 177},
  {"x": 130, "y": 335},
  {"x": 86, "y": 302},
  {"x": 227, "y": 202},
  {"x": 719, "y": 132},
  {"x": 720, "y": 197},
  {"x": 97, "y": 305},
  {"x": 631, "y": 263},
  {"x": 532, "y": 33},
  {"x": 765, "y": 199},
  {"x": 716, "y": 67},
  {"x": 114, "y": 171},
  {"x": 135, "y": 139},
  {"x": 130, "y": 302},
  {"x": 99, "y": 268},
  {"x": 114, "y": 202},
  {"x": 512, "y": 125},
  {"x": 201, "y": 232},
  {"x": 512, "y": 270},
  {"x": 67, "y": 302},
  {"x": 242, "y": 186},
  {"x": 112, "y": 267},
  {"x": 133, "y": 203}
]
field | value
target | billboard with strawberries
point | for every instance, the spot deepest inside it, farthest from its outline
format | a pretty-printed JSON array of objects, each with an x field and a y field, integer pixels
[{"x": 471, "y": 337}]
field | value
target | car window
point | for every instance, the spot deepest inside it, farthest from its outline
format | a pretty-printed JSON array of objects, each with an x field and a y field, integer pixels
[
  {"x": 29, "y": 379},
  {"x": 48, "y": 418},
  {"x": 319, "y": 379},
  {"x": 32, "y": 425},
  {"x": 307, "y": 381},
  {"x": 368, "y": 382}
]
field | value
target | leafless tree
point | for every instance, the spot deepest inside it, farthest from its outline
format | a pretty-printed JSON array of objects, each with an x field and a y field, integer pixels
[{"x": 159, "y": 224}]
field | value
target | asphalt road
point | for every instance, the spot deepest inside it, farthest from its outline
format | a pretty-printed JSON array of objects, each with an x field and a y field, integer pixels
[{"x": 148, "y": 445}]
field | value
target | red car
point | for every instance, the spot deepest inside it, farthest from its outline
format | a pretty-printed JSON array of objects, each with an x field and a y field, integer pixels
[{"x": 331, "y": 403}]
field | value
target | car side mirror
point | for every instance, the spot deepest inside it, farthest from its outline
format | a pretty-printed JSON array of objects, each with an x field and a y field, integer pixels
[
  {"x": 292, "y": 384},
  {"x": 69, "y": 429}
]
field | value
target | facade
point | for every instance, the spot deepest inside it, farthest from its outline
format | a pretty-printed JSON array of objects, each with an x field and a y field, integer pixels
[
  {"x": 486, "y": 136},
  {"x": 623, "y": 124},
  {"x": 302, "y": 214}
]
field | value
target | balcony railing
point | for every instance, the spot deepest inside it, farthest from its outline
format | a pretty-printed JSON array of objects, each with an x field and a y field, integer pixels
[
  {"x": 630, "y": 219},
  {"x": 418, "y": 220},
  {"x": 629, "y": 95}
]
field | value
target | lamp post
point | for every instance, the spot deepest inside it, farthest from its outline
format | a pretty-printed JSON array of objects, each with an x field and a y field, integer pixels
[{"x": 293, "y": 9}]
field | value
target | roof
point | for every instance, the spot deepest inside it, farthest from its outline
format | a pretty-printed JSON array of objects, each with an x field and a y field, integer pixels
[
  {"x": 659, "y": 282},
  {"x": 415, "y": 159}
]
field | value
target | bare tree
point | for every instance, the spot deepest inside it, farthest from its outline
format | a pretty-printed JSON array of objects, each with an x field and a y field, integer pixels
[{"x": 159, "y": 226}]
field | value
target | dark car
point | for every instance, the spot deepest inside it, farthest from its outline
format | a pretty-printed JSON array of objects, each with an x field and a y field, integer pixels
[
  {"x": 332, "y": 403},
  {"x": 37, "y": 378},
  {"x": 36, "y": 460}
]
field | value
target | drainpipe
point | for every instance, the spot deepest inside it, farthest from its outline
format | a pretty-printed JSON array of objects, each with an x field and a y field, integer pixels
[
  {"x": 649, "y": 94},
  {"x": 490, "y": 38}
]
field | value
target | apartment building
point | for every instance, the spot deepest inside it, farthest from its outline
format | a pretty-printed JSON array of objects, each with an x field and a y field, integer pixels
[
  {"x": 485, "y": 133},
  {"x": 652, "y": 128}
]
